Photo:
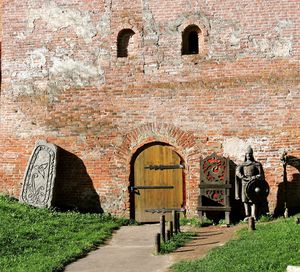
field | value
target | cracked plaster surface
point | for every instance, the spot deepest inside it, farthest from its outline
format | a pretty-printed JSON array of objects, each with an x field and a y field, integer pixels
[
  {"x": 235, "y": 147},
  {"x": 58, "y": 18},
  {"x": 52, "y": 68},
  {"x": 66, "y": 65},
  {"x": 231, "y": 35}
]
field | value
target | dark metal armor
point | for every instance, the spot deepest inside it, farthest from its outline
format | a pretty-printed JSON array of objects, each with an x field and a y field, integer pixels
[{"x": 248, "y": 172}]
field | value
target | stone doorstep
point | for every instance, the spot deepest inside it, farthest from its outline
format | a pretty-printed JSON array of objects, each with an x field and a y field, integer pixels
[{"x": 291, "y": 268}]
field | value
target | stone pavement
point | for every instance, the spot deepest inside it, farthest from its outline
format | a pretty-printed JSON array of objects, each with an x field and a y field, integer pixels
[
  {"x": 206, "y": 239},
  {"x": 131, "y": 250}
]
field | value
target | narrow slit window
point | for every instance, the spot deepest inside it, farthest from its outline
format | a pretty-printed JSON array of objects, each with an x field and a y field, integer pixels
[
  {"x": 123, "y": 42},
  {"x": 190, "y": 40}
]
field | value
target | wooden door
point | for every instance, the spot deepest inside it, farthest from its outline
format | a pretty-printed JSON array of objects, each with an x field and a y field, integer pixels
[{"x": 158, "y": 183}]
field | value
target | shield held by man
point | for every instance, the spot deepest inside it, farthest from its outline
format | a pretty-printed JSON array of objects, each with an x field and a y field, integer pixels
[{"x": 257, "y": 190}]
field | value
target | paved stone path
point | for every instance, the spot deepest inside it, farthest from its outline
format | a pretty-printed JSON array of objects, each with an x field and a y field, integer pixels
[
  {"x": 131, "y": 250},
  {"x": 206, "y": 239}
]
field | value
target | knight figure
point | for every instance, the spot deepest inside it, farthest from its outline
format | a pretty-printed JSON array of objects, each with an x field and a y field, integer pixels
[{"x": 250, "y": 184}]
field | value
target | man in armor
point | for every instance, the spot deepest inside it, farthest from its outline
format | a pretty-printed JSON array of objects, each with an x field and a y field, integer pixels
[{"x": 250, "y": 176}]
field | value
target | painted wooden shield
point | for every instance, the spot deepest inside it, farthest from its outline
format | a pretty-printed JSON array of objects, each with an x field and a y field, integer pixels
[{"x": 257, "y": 190}]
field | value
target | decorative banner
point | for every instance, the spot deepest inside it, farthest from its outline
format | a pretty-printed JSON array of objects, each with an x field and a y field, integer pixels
[
  {"x": 38, "y": 184},
  {"x": 214, "y": 169},
  {"x": 216, "y": 195}
]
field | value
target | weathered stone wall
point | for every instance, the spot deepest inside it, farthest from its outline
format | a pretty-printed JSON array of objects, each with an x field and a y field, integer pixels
[
  {"x": 62, "y": 81},
  {"x": 1, "y": 20}
]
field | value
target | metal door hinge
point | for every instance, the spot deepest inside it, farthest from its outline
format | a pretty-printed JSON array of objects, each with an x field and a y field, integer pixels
[{"x": 164, "y": 167}]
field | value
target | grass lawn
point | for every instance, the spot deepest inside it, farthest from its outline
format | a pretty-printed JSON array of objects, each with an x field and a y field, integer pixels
[
  {"x": 270, "y": 248},
  {"x": 176, "y": 241},
  {"x": 41, "y": 240}
]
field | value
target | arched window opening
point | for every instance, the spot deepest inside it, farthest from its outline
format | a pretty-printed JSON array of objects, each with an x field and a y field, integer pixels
[
  {"x": 123, "y": 42},
  {"x": 190, "y": 40},
  {"x": 193, "y": 43}
]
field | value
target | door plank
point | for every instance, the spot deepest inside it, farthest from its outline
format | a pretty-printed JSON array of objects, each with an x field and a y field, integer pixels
[{"x": 157, "y": 198}]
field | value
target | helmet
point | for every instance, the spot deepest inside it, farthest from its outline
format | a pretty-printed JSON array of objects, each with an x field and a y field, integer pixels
[{"x": 249, "y": 150}]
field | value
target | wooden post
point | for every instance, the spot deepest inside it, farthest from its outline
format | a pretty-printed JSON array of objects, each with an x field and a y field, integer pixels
[
  {"x": 163, "y": 227},
  {"x": 284, "y": 160},
  {"x": 171, "y": 228},
  {"x": 168, "y": 235},
  {"x": 251, "y": 223},
  {"x": 227, "y": 216},
  {"x": 174, "y": 216},
  {"x": 178, "y": 221},
  {"x": 157, "y": 243}
]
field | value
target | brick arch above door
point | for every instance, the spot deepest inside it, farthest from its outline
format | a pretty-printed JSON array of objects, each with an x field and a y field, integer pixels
[{"x": 183, "y": 142}]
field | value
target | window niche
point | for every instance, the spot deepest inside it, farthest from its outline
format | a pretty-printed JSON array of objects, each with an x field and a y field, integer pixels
[
  {"x": 123, "y": 42},
  {"x": 190, "y": 40}
]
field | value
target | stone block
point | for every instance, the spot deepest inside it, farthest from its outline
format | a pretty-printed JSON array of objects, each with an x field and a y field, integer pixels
[
  {"x": 38, "y": 183},
  {"x": 292, "y": 268}
]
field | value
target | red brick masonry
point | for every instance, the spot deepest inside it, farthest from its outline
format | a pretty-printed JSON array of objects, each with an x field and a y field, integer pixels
[{"x": 62, "y": 81}]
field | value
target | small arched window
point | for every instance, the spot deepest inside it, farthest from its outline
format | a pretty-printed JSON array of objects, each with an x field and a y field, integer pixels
[
  {"x": 190, "y": 40},
  {"x": 123, "y": 41}
]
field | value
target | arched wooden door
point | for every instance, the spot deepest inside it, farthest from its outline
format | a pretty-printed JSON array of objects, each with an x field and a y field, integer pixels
[{"x": 158, "y": 183}]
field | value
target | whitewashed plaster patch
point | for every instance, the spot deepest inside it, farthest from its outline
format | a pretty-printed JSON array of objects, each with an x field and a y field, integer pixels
[
  {"x": 76, "y": 72},
  {"x": 235, "y": 147},
  {"x": 58, "y": 18}
]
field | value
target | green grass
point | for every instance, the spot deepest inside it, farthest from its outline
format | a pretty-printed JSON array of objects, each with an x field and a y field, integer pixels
[
  {"x": 39, "y": 240},
  {"x": 271, "y": 248},
  {"x": 176, "y": 241}
]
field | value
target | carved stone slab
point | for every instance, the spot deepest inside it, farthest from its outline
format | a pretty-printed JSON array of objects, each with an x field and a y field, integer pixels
[{"x": 38, "y": 183}]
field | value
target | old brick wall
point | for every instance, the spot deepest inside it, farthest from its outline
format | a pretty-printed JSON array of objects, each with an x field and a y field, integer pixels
[{"x": 62, "y": 81}]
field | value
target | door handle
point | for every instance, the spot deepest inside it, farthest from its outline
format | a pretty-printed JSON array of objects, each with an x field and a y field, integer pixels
[{"x": 134, "y": 190}]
